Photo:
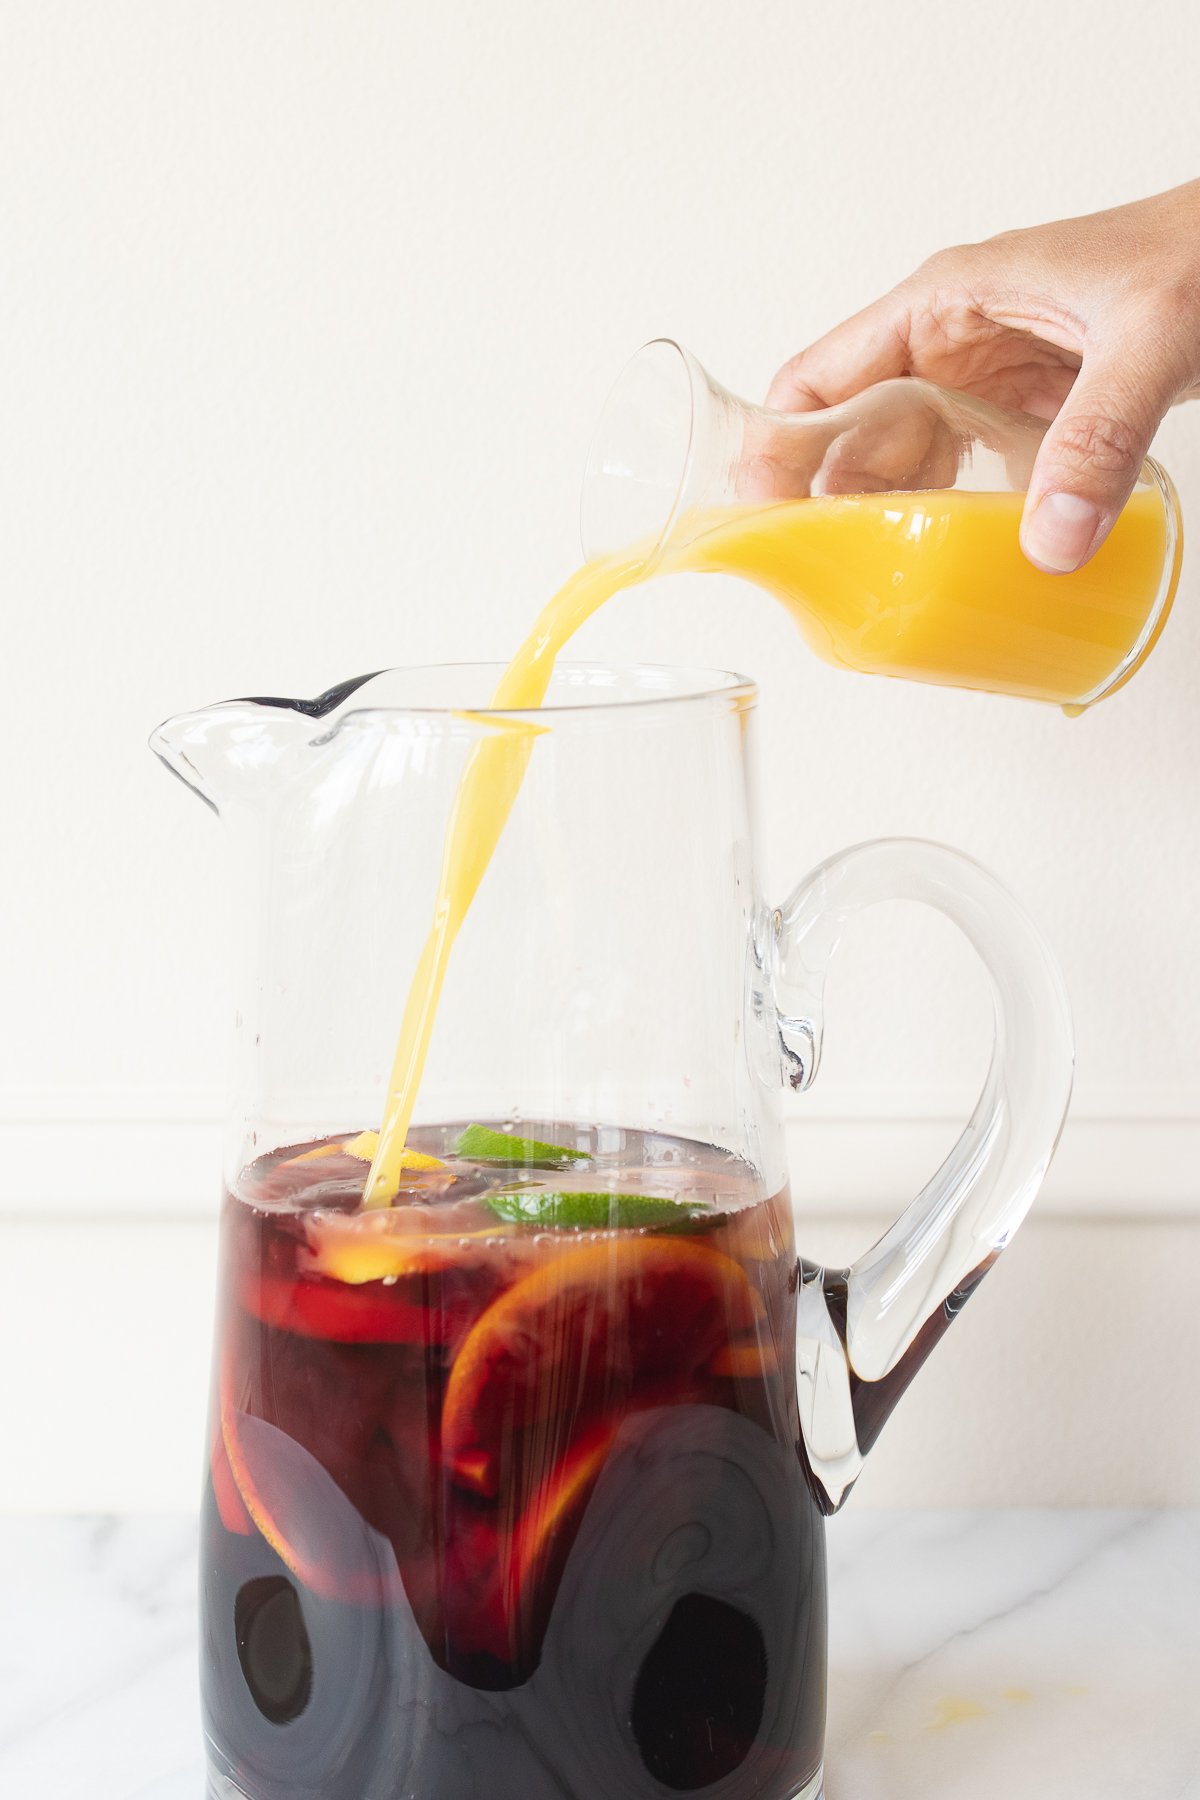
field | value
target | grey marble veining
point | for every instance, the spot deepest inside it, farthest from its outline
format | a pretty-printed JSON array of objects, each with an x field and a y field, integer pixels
[
  {"x": 984, "y": 1655},
  {"x": 975, "y": 1656}
]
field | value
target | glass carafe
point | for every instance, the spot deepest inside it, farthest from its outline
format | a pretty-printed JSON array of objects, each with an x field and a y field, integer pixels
[
  {"x": 506, "y": 1494},
  {"x": 888, "y": 525}
]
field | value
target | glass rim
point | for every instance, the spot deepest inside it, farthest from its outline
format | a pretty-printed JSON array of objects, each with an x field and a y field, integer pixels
[
  {"x": 663, "y": 685},
  {"x": 668, "y": 688},
  {"x": 695, "y": 377}
]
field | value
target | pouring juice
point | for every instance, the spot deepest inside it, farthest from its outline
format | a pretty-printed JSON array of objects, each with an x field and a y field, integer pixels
[
  {"x": 929, "y": 586},
  {"x": 522, "y": 1436}
]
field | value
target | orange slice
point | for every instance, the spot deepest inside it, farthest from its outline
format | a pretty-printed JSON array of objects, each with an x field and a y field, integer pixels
[
  {"x": 362, "y": 1148},
  {"x": 498, "y": 1579},
  {"x": 745, "y": 1361},
  {"x": 296, "y": 1505},
  {"x": 427, "y": 1311},
  {"x": 325, "y": 1309},
  {"x": 230, "y": 1505},
  {"x": 382, "y": 1246},
  {"x": 262, "y": 1506},
  {"x": 584, "y": 1335},
  {"x": 555, "y": 1503}
]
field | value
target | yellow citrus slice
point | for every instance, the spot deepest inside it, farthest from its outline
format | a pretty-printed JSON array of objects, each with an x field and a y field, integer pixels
[
  {"x": 362, "y": 1148},
  {"x": 361, "y": 1247}
]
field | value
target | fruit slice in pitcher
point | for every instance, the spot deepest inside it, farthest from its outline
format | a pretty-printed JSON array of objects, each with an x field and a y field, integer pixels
[
  {"x": 341, "y": 1315},
  {"x": 362, "y": 1148},
  {"x": 747, "y": 1360},
  {"x": 297, "y": 1506},
  {"x": 580, "y": 1209},
  {"x": 388, "y": 1246},
  {"x": 584, "y": 1335},
  {"x": 360, "y": 1285},
  {"x": 553, "y": 1507},
  {"x": 482, "y": 1144},
  {"x": 230, "y": 1505},
  {"x": 500, "y": 1582}
]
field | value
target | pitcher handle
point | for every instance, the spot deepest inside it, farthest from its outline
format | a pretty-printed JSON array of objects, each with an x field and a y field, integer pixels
[{"x": 864, "y": 1331}]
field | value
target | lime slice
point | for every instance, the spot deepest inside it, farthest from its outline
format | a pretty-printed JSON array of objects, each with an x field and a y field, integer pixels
[
  {"x": 589, "y": 1211},
  {"x": 479, "y": 1143}
]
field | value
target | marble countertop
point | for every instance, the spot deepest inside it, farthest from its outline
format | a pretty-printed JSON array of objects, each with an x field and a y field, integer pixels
[{"x": 975, "y": 1655}]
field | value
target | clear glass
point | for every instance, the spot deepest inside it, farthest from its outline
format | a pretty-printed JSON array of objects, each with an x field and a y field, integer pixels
[
  {"x": 888, "y": 525},
  {"x": 516, "y": 1486}
]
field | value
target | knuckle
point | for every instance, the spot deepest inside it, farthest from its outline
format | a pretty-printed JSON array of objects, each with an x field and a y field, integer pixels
[
  {"x": 1178, "y": 299},
  {"x": 946, "y": 265},
  {"x": 1163, "y": 331},
  {"x": 967, "y": 262},
  {"x": 1100, "y": 444},
  {"x": 795, "y": 379}
]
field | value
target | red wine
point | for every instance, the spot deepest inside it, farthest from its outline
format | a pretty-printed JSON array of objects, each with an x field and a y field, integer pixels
[{"x": 505, "y": 1490}]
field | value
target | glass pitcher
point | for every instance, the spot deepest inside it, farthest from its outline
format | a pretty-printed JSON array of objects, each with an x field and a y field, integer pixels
[
  {"x": 888, "y": 526},
  {"x": 517, "y": 1486}
]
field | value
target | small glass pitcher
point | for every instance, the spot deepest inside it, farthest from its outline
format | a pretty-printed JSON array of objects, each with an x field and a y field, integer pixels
[
  {"x": 517, "y": 1486},
  {"x": 887, "y": 525}
]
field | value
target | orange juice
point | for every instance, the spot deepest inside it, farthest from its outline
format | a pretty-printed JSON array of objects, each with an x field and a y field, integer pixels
[
  {"x": 934, "y": 587},
  {"x": 489, "y": 786},
  {"x": 931, "y": 585}
]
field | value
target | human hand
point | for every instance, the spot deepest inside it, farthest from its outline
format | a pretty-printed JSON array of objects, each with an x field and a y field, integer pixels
[{"x": 1093, "y": 323}]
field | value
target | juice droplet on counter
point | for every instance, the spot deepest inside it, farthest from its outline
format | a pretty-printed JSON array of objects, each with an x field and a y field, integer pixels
[{"x": 955, "y": 1709}]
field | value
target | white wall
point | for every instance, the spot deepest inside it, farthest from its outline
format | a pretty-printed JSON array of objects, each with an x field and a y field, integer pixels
[{"x": 306, "y": 312}]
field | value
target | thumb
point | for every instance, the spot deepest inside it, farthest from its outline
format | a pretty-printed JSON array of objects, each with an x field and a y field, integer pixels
[{"x": 1090, "y": 459}]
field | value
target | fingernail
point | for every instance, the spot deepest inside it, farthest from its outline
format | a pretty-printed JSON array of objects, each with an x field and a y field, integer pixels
[{"x": 1060, "y": 533}]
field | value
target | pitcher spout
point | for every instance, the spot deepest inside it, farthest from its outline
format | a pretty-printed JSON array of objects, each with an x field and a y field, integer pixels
[{"x": 234, "y": 748}]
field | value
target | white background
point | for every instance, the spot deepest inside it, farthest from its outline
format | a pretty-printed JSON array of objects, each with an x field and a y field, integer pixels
[{"x": 305, "y": 314}]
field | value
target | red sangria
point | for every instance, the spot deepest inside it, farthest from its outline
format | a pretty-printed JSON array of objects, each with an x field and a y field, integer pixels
[{"x": 506, "y": 1496}]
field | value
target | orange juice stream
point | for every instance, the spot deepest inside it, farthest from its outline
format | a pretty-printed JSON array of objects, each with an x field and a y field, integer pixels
[
  {"x": 489, "y": 785},
  {"x": 932, "y": 586}
]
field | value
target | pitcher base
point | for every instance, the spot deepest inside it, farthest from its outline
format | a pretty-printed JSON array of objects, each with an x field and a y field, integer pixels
[{"x": 219, "y": 1787}]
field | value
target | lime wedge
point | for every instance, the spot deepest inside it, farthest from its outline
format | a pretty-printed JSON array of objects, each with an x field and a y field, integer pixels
[
  {"x": 589, "y": 1211},
  {"x": 479, "y": 1143}
]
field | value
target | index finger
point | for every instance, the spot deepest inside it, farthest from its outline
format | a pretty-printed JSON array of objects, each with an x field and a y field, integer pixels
[{"x": 872, "y": 346}]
